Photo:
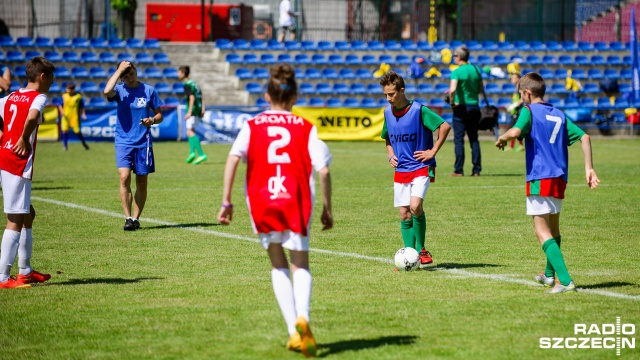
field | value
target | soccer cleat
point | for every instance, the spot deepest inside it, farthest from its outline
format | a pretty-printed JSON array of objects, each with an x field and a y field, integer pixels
[
  {"x": 200, "y": 159},
  {"x": 13, "y": 284},
  {"x": 34, "y": 277},
  {"x": 547, "y": 281},
  {"x": 425, "y": 258},
  {"x": 559, "y": 288},
  {"x": 136, "y": 224},
  {"x": 190, "y": 158},
  {"x": 308, "y": 345},
  {"x": 294, "y": 342},
  {"x": 128, "y": 225}
]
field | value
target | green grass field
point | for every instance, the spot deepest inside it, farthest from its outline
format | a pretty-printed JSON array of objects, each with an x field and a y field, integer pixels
[{"x": 184, "y": 287}]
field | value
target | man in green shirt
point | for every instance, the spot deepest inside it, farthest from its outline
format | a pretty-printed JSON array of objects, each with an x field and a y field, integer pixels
[
  {"x": 466, "y": 85},
  {"x": 194, "y": 112}
]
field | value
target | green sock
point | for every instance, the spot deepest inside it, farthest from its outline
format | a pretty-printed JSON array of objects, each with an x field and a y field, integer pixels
[
  {"x": 408, "y": 237},
  {"x": 549, "y": 271},
  {"x": 554, "y": 255},
  {"x": 197, "y": 145},
  {"x": 420, "y": 230},
  {"x": 192, "y": 147}
]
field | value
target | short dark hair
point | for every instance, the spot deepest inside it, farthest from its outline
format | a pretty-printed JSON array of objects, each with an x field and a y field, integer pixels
[
  {"x": 185, "y": 69},
  {"x": 39, "y": 65},
  {"x": 533, "y": 82},
  {"x": 392, "y": 78},
  {"x": 128, "y": 70},
  {"x": 71, "y": 85},
  {"x": 282, "y": 86}
]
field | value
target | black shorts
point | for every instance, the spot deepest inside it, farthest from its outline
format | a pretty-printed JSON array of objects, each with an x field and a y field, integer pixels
[{"x": 291, "y": 29}]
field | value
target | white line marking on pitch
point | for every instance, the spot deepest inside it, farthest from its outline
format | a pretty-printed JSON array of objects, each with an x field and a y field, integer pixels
[{"x": 459, "y": 272}]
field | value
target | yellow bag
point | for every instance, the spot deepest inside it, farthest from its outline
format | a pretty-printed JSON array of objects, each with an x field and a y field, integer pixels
[{"x": 384, "y": 68}]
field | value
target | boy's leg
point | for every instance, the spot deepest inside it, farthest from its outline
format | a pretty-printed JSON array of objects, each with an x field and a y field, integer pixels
[
  {"x": 282, "y": 286},
  {"x": 65, "y": 139},
  {"x": 140, "y": 197},
  {"x": 10, "y": 244},
  {"x": 551, "y": 248},
  {"x": 554, "y": 225},
  {"x": 406, "y": 227},
  {"x": 84, "y": 143},
  {"x": 302, "y": 294}
]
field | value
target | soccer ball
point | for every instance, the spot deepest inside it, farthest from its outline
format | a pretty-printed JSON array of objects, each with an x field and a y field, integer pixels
[{"x": 407, "y": 259}]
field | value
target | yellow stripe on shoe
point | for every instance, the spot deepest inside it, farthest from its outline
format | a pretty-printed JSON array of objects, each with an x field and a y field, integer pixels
[
  {"x": 294, "y": 342},
  {"x": 308, "y": 345}
]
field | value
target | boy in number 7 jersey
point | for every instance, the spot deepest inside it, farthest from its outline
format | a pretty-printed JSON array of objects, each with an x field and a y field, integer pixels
[{"x": 547, "y": 134}]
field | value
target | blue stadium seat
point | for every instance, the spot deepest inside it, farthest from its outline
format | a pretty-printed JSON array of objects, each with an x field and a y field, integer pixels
[
  {"x": 565, "y": 60},
  {"x": 308, "y": 45},
  {"x": 621, "y": 103},
  {"x": 448, "y": 118},
  {"x": 500, "y": 60},
  {"x": 99, "y": 43},
  {"x": 243, "y": 73},
  {"x": 80, "y": 43},
  {"x": 306, "y": 88},
  {"x": 70, "y": 56},
  {"x": 578, "y": 74},
  {"x": 151, "y": 43},
  {"x": 143, "y": 58},
  {"x": 422, "y": 101},
  {"x": 552, "y": 46},
  {"x": 299, "y": 73},
  {"x": 597, "y": 60},
  {"x": 133, "y": 43},
  {"x": 25, "y": 41},
  {"x": 42, "y": 41},
  {"x": 532, "y": 60},
  {"x": 624, "y": 88},
  {"x": 508, "y": 88},
  {"x": 382, "y": 102},
  {"x": 250, "y": 59},
  {"x": 223, "y": 44},
  {"x": 372, "y": 45},
  {"x": 358, "y": 45},
  {"x": 570, "y": 102},
  {"x": 55, "y": 87},
  {"x": 546, "y": 73},
  {"x": 170, "y": 73},
  {"x": 503, "y": 102},
  {"x": 334, "y": 102},
  {"x": 88, "y": 56},
  {"x": 14, "y": 55},
  {"x": 285, "y": 57},
  {"x": 117, "y": 44},
  {"x": 614, "y": 60},
  {"x": 616, "y": 46},
  {"x": 346, "y": 73},
  {"x": 177, "y": 88},
  {"x": 171, "y": 101},
  {"x": 325, "y": 46},
  {"x": 62, "y": 42},
  {"x": 267, "y": 58},
  {"x": 340, "y": 88},
  {"x": 374, "y": 89},
  {"x": 357, "y": 88},
  {"x": 558, "y": 89},
  {"x": 407, "y": 45},
  {"x": 491, "y": 88},
  {"x": 323, "y": 88},
  {"x": 301, "y": 102},
  {"x": 274, "y": 45},
  {"x": 291, "y": 45},
  {"x": 89, "y": 87},
  {"x": 30, "y": 54},
  {"x": 312, "y": 73},
  {"x": 424, "y": 45},
  {"x": 368, "y": 102},
  {"x": 505, "y": 45},
  {"x": 568, "y": 45},
  {"x": 440, "y": 44},
  {"x": 585, "y": 46},
  {"x": 557, "y": 102},
  {"x": 352, "y": 59},
  {"x": 7, "y": 41},
  {"x": 97, "y": 101},
  {"x": 2, "y": 58},
  {"x": 20, "y": 71},
  {"x": 441, "y": 88},
  {"x": 587, "y": 102},
  {"x": 79, "y": 72},
  {"x": 257, "y": 44},
  {"x": 537, "y": 45},
  {"x": 314, "y": 101},
  {"x": 124, "y": 56},
  {"x": 161, "y": 58},
  {"x": 402, "y": 59},
  {"x": 600, "y": 45},
  {"x": 525, "y": 71},
  {"x": 335, "y": 59},
  {"x": 385, "y": 58},
  {"x": 454, "y": 44},
  {"x": 425, "y": 88},
  {"x": 610, "y": 73},
  {"x": 438, "y": 102},
  {"x": 581, "y": 60},
  {"x": 488, "y": 45},
  {"x": 62, "y": 72},
  {"x": 604, "y": 103},
  {"x": 107, "y": 57},
  {"x": 591, "y": 88},
  {"x": 363, "y": 73},
  {"x": 341, "y": 45},
  {"x": 152, "y": 73},
  {"x": 318, "y": 59},
  {"x": 548, "y": 59},
  {"x": 97, "y": 72},
  {"x": 369, "y": 59},
  {"x": 329, "y": 73},
  {"x": 233, "y": 58},
  {"x": 163, "y": 88},
  {"x": 351, "y": 102},
  {"x": 473, "y": 45},
  {"x": 410, "y": 88},
  {"x": 521, "y": 45},
  {"x": 254, "y": 88},
  {"x": 261, "y": 102},
  {"x": 15, "y": 85},
  {"x": 483, "y": 59},
  {"x": 560, "y": 73},
  {"x": 301, "y": 59}
]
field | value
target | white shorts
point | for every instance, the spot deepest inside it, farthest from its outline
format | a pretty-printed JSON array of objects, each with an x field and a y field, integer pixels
[
  {"x": 402, "y": 193},
  {"x": 191, "y": 122},
  {"x": 16, "y": 192},
  {"x": 289, "y": 240},
  {"x": 540, "y": 205}
]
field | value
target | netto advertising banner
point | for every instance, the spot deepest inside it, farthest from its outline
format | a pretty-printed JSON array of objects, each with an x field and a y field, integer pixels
[{"x": 344, "y": 123}]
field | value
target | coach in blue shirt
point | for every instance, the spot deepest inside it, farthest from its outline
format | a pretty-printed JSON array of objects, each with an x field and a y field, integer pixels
[{"x": 138, "y": 109}]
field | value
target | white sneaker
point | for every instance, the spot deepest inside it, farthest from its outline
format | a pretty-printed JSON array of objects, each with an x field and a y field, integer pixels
[
  {"x": 559, "y": 288},
  {"x": 545, "y": 280}
]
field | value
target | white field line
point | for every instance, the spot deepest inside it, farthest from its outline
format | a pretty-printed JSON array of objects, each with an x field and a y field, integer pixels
[{"x": 458, "y": 272}]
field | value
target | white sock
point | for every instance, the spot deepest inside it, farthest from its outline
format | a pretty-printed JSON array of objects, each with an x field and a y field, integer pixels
[
  {"x": 24, "y": 251},
  {"x": 302, "y": 292},
  {"x": 283, "y": 289},
  {"x": 10, "y": 243}
]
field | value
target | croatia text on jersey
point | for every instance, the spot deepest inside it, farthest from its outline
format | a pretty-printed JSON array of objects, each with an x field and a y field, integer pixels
[{"x": 274, "y": 119}]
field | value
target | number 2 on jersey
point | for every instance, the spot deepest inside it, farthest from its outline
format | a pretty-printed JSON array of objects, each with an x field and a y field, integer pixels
[
  {"x": 556, "y": 128},
  {"x": 275, "y": 145}
]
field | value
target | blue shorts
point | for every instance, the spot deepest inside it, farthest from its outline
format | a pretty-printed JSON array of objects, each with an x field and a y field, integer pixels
[{"x": 138, "y": 159}]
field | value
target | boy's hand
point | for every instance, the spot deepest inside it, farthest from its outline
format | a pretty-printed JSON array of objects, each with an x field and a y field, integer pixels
[
  {"x": 147, "y": 122},
  {"x": 500, "y": 144},
  {"x": 592, "y": 179},
  {"x": 22, "y": 147},
  {"x": 425, "y": 155}
]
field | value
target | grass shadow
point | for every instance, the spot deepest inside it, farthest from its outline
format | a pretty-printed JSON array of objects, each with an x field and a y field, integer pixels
[
  {"x": 49, "y": 188},
  {"x": 445, "y": 266},
  {"x": 156, "y": 227},
  {"x": 325, "y": 350},
  {"x": 483, "y": 175},
  {"x": 110, "y": 281},
  {"x": 609, "y": 284}
]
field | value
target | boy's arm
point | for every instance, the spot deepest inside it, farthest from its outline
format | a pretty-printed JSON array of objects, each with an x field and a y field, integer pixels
[
  {"x": 592, "y": 178},
  {"x": 443, "y": 132},
  {"x": 113, "y": 80},
  {"x": 23, "y": 145},
  {"x": 225, "y": 215},
  {"x": 511, "y": 134},
  {"x": 326, "y": 218},
  {"x": 192, "y": 100},
  {"x": 391, "y": 157}
]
